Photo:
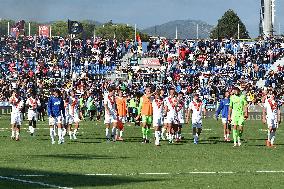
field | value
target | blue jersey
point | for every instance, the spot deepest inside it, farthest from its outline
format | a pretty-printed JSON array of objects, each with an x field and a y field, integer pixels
[
  {"x": 224, "y": 108},
  {"x": 55, "y": 106}
]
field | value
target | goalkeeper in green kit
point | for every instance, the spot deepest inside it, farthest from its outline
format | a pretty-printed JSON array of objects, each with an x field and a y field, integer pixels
[{"x": 238, "y": 113}]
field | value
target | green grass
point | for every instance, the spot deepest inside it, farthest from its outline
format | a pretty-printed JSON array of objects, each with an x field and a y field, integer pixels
[{"x": 68, "y": 165}]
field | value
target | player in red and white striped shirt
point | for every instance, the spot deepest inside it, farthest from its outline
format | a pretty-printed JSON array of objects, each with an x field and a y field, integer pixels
[
  {"x": 197, "y": 108},
  {"x": 32, "y": 104},
  {"x": 272, "y": 117},
  {"x": 16, "y": 120}
]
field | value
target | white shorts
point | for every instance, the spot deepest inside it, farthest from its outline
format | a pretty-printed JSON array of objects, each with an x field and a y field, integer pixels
[
  {"x": 16, "y": 119},
  {"x": 197, "y": 125},
  {"x": 181, "y": 119},
  {"x": 272, "y": 123},
  {"x": 122, "y": 119},
  {"x": 158, "y": 121},
  {"x": 110, "y": 118},
  {"x": 72, "y": 119},
  {"x": 32, "y": 115},
  {"x": 169, "y": 119},
  {"x": 224, "y": 120},
  {"x": 54, "y": 120}
]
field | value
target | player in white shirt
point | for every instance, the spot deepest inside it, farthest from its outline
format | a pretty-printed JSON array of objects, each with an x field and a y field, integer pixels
[
  {"x": 164, "y": 128},
  {"x": 32, "y": 104},
  {"x": 271, "y": 117},
  {"x": 170, "y": 120},
  {"x": 110, "y": 113},
  {"x": 181, "y": 112},
  {"x": 16, "y": 121},
  {"x": 72, "y": 115},
  {"x": 158, "y": 113},
  {"x": 197, "y": 108}
]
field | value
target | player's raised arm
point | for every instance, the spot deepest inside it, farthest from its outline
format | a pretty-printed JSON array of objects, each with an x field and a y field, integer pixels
[
  {"x": 230, "y": 112},
  {"x": 264, "y": 113},
  {"x": 62, "y": 107},
  {"x": 246, "y": 110},
  {"x": 139, "y": 108},
  {"x": 189, "y": 111},
  {"x": 204, "y": 110},
  {"x": 220, "y": 107},
  {"x": 49, "y": 106},
  {"x": 105, "y": 105},
  {"x": 279, "y": 115}
]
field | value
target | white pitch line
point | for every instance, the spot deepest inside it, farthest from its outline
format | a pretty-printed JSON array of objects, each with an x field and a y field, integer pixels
[
  {"x": 102, "y": 174},
  {"x": 269, "y": 171},
  {"x": 202, "y": 172},
  {"x": 32, "y": 182},
  {"x": 154, "y": 173},
  {"x": 32, "y": 175},
  {"x": 226, "y": 172},
  {"x": 162, "y": 173}
]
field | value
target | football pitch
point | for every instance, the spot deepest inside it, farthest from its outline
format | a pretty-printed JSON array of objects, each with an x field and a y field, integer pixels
[{"x": 91, "y": 162}]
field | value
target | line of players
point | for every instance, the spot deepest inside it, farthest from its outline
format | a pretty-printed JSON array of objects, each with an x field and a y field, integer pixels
[
  {"x": 165, "y": 114},
  {"x": 234, "y": 112},
  {"x": 62, "y": 114}
]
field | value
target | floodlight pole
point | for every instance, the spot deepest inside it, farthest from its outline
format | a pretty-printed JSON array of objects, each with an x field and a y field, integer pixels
[
  {"x": 135, "y": 30},
  {"x": 238, "y": 30},
  {"x": 8, "y": 31}
]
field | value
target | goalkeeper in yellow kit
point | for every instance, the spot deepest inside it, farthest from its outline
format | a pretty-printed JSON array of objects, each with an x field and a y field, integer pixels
[{"x": 238, "y": 113}]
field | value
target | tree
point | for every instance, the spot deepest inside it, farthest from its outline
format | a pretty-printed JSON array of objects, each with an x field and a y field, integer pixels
[
  {"x": 34, "y": 28},
  {"x": 59, "y": 28},
  {"x": 121, "y": 32},
  {"x": 227, "y": 27},
  {"x": 4, "y": 26}
]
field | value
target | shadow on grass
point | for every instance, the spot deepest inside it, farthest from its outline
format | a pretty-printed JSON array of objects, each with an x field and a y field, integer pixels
[
  {"x": 265, "y": 145},
  {"x": 86, "y": 142},
  {"x": 257, "y": 139},
  {"x": 80, "y": 156},
  {"x": 65, "y": 179}
]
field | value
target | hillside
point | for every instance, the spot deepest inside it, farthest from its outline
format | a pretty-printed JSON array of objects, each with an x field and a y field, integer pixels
[{"x": 186, "y": 29}]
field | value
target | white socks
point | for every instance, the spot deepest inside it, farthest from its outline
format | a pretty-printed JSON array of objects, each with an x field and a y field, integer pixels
[
  {"x": 13, "y": 132},
  {"x": 31, "y": 129},
  {"x": 120, "y": 133},
  {"x": 157, "y": 137},
  {"x": 63, "y": 132},
  {"x": 51, "y": 133},
  {"x": 17, "y": 134},
  {"x": 168, "y": 135},
  {"x": 60, "y": 133},
  {"x": 113, "y": 132},
  {"x": 195, "y": 137},
  {"x": 75, "y": 131},
  {"x": 107, "y": 133},
  {"x": 54, "y": 130},
  {"x": 272, "y": 137},
  {"x": 163, "y": 131}
]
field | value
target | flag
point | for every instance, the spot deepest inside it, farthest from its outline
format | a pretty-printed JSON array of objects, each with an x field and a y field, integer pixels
[
  {"x": 138, "y": 39},
  {"x": 74, "y": 27},
  {"x": 20, "y": 25},
  {"x": 14, "y": 32},
  {"x": 17, "y": 28},
  {"x": 43, "y": 30}
]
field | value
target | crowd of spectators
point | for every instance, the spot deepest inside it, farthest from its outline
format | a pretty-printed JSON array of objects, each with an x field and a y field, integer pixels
[{"x": 209, "y": 67}]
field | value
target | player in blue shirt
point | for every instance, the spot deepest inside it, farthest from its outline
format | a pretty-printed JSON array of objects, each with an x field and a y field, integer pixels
[
  {"x": 224, "y": 110},
  {"x": 56, "y": 112}
]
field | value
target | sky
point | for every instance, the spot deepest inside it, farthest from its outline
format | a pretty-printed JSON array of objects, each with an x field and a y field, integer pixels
[{"x": 144, "y": 13}]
